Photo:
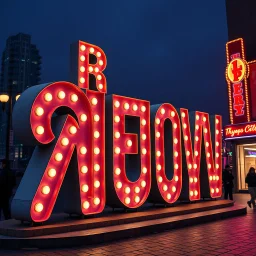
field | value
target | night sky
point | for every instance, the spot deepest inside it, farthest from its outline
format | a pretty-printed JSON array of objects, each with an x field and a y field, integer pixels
[{"x": 158, "y": 50}]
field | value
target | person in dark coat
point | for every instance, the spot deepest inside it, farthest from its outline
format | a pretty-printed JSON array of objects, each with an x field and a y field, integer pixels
[
  {"x": 251, "y": 181},
  {"x": 7, "y": 183},
  {"x": 228, "y": 184}
]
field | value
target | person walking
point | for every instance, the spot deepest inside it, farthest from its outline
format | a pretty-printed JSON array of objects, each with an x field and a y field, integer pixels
[
  {"x": 251, "y": 181},
  {"x": 228, "y": 184},
  {"x": 7, "y": 183}
]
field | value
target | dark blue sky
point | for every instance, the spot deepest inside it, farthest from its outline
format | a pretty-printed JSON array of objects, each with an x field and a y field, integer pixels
[{"x": 159, "y": 50}]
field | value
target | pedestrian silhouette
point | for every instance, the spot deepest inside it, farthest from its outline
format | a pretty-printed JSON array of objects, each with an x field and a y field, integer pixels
[
  {"x": 251, "y": 181},
  {"x": 7, "y": 183},
  {"x": 228, "y": 184}
]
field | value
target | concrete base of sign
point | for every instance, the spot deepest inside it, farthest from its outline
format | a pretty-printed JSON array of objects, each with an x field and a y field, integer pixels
[{"x": 112, "y": 226}]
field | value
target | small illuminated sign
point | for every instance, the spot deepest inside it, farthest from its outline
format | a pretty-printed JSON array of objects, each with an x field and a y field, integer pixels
[{"x": 236, "y": 70}]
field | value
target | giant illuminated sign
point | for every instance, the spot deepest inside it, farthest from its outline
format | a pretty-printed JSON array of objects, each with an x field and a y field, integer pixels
[{"x": 87, "y": 143}]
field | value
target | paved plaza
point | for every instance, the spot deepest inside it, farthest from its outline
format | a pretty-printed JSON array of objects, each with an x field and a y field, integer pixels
[{"x": 235, "y": 236}]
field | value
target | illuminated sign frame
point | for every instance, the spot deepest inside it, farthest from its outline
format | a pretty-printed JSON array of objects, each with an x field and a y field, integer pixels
[{"x": 75, "y": 142}]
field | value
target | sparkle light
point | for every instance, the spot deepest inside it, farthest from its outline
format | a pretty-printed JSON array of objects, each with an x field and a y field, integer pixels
[
  {"x": 52, "y": 173},
  {"x": 61, "y": 95},
  {"x": 39, "y": 130},
  {"x": 74, "y": 98},
  {"x": 83, "y": 117},
  {"x": 48, "y": 97},
  {"x": 39, "y": 207},
  {"x": 85, "y": 188},
  {"x": 39, "y": 111},
  {"x": 58, "y": 157},
  {"x": 84, "y": 169},
  {"x": 46, "y": 190}
]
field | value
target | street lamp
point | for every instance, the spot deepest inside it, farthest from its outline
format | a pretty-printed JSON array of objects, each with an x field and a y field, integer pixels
[{"x": 8, "y": 98}]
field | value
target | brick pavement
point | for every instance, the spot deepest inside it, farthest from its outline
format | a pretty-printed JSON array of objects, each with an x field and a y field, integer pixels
[{"x": 235, "y": 236}]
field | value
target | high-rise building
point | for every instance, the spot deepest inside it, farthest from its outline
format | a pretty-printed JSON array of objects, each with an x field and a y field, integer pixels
[
  {"x": 20, "y": 69},
  {"x": 241, "y": 21}
]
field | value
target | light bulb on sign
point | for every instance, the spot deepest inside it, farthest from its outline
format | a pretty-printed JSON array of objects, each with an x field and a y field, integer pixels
[
  {"x": 39, "y": 130},
  {"x": 39, "y": 111},
  {"x": 96, "y": 167},
  {"x": 117, "y": 171},
  {"x": 85, "y": 188},
  {"x": 52, "y": 173},
  {"x": 46, "y": 190},
  {"x": 39, "y": 207},
  {"x": 86, "y": 205},
  {"x": 84, "y": 169},
  {"x": 48, "y": 97},
  {"x": 83, "y": 117},
  {"x": 61, "y": 95}
]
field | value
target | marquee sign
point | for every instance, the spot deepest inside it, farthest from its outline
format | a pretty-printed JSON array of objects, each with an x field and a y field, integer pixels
[
  {"x": 87, "y": 143},
  {"x": 237, "y": 73},
  {"x": 240, "y": 131}
]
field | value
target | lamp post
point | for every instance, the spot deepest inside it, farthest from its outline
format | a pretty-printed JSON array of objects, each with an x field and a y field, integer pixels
[{"x": 8, "y": 98}]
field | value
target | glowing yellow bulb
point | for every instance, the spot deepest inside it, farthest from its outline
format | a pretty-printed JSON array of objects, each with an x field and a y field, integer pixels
[
  {"x": 169, "y": 196},
  {"x": 90, "y": 69},
  {"x": 117, "y": 104},
  {"x": 184, "y": 126},
  {"x": 52, "y": 173},
  {"x": 191, "y": 180},
  {"x": 82, "y": 58},
  {"x": 46, "y": 190},
  {"x": 86, "y": 205},
  {"x": 144, "y": 151},
  {"x": 213, "y": 177},
  {"x": 143, "y": 108},
  {"x": 85, "y": 188},
  {"x": 196, "y": 192},
  {"x": 137, "y": 190},
  {"x": 82, "y": 80},
  {"x": 39, "y": 207},
  {"x": 190, "y": 166},
  {"x": 209, "y": 166},
  {"x": 96, "y": 134},
  {"x": 39, "y": 130},
  {"x": 217, "y": 132},
  {"x": 82, "y": 48},
  {"x": 197, "y": 138},
  {"x": 144, "y": 170},
  {"x": 143, "y": 136},
  {"x": 91, "y": 50},
  {"x": 127, "y": 200},
  {"x": 217, "y": 177},
  {"x": 127, "y": 190},
  {"x": 188, "y": 153},
  {"x": 72, "y": 130},
  {"x": 158, "y": 134},
  {"x": 61, "y": 95},
  {"x": 48, "y": 97},
  {"x": 84, "y": 169},
  {"x": 96, "y": 201},
  {"x": 196, "y": 153},
  {"x": 96, "y": 69},
  {"x": 117, "y": 119},
  {"x": 39, "y": 111},
  {"x": 117, "y": 171},
  {"x": 158, "y": 167},
  {"x": 217, "y": 166},
  {"x": 191, "y": 193},
  {"x": 195, "y": 166},
  {"x": 217, "y": 154},
  {"x": 96, "y": 167},
  {"x": 74, "y": 98},
  {"x": 96, "y": 151},
  {"x": 83, "y": 150},
  {"x": 94, "y": 101},
  {"x": 208, "y": 155},
  {"x": 176, "y": 166},
  {"x": 183, "y": 114},
  {"x": 96, "y": 184},
  {"x": 173, "y": 189},
  {"x": 176, "y": 154},
  {"x": 212, "y": 190},
  {"x": 195, "y": 179},
  {"x": 217, "y": 190},
  {"x": 217, "y": 121},
  {"x": 197, "y": 127},
  {"x": 175, "y": 126},
  {"x": 82, "y": 69},
  {"x": 135, "y": 107},
  {"x": 197, "y": 117},
  {"x": 204, "y": 119},
  {"x": 58, "y": 157},
  {"x": 100, "y": 62},
  {"x": 126, "y": 106},
  {"x": 157, "y": 121},
  {"x": 210, "y": 177},
  {"x": 160, "y": 179},
  {"x": 99, "y": 77},
  {"x": 64, "y": 142},
  {"x": 176, "y": 178},
  {"x": 98, "y": 54},
  {"x": 83, "y": 117},
  {"x": 162, "y": 111},
  {"x": 143, "y": 183},
  {"x": 117, "y": 135},
  {"x": 164, "y": 187},
  {"x": 137, "y": 199},
  {"x": 217, "y": 144},
  {"x": 175, "y": 141},
  {"x": 207, "y": 144},
  {"x": 158, "y": 153},
  {"x": 96, "y": 118},
  {"x": 129, "y": 143},
  {"x": 186, "y": 137},
  {"x": 117, "y": 150},
  {"x": 100, "y": 86},
  {"x": 172, "y": 113},
  {"x": 143, "y": 122}
]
